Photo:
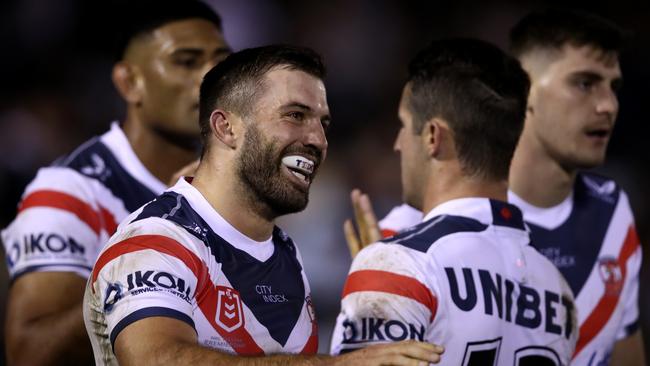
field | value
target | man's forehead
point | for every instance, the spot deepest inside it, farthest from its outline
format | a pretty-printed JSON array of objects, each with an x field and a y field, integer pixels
[
  {"x": 284, "y": 85},
  {"x": 573, "y": 59}
]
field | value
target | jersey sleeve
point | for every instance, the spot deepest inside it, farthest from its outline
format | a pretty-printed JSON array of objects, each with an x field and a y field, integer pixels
[
  {"x": 385, "y": 299},
  {"x": 59, "y": 226},
  {"x": 632, "y": 257},
  {"x": 150, "y": 268},
  {"x": 398, "y": 219}
]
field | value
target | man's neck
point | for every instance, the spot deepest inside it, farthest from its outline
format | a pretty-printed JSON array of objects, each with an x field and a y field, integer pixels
[
  {"x": 219, "y": 185},
  {"x": 157, "y": 154},
  {"x": 539, "y": 179},
  {"x": 448, "y": 186}
]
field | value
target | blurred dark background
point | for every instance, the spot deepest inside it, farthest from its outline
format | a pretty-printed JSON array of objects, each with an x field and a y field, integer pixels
[{"x": 56, "y": 92}]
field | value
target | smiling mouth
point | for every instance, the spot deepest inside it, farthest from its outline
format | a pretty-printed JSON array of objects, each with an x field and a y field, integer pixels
[{"x": 299, "y": 166}]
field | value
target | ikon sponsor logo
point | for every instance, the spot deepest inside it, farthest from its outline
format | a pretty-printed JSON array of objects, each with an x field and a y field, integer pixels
[
  {"x": 112, "y": 295},
  {"x": 42, "y": 244},
  {"x": 377, "y": 329},
  {"x": 229, "y": 314},
  {"x": 146, "y": 281}
]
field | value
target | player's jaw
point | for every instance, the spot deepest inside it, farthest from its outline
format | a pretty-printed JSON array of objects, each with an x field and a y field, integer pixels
[{"x": 278, "y": 177}]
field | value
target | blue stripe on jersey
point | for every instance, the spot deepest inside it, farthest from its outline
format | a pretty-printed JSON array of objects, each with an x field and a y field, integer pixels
[
  {"x": 273, "y": 290},
  {"x": 505, "y": 214},
  {"x": 574, "y": 246},
  {"x": 148, "y": 313},
  {"x": 423, "y": 235},
  {"x": 94, "y": 160},
  {"x": 40, "y": 267}
]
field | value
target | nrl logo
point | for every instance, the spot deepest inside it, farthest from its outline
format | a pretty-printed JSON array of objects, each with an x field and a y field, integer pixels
[{"x": 230, "y": 315}]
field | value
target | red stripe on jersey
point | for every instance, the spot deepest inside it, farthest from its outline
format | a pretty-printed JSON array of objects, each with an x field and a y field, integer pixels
[
  {"x": 160, "y": 244},
  {"x": 382, "y": 281},
  {"x": 387, "y": 233},
  {"x": 605, "y": 307},
  {"x": 63, "y": 201},
  {"x": 311, "y": 347},
  {"x": 206, "y": 296},
  {"x": 110, "y": 225}
]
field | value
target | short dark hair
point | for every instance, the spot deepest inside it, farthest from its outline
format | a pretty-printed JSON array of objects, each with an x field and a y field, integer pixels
[
  {"x": 481, "y": 92},
  {"x": 554, "y": 28},
  {"x": 235, "y": 82},
  {"x": 140, "y": 17}
]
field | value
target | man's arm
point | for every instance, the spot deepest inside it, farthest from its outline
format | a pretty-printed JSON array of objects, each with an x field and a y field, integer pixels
[
  {"x": 167, "y": 341},
  {"x": 629, "y": 351},
  {"x": 44, "y": 323}
]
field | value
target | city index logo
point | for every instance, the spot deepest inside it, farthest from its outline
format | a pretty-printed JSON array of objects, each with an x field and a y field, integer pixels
[
  {"x": 34, "y": 245},
  {"x": 145, "y": 281},
  {"x": 531, "y": 307},
  {"x": 377, "y": 329}
]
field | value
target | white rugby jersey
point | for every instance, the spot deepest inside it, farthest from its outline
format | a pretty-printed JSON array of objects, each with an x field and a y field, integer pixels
[
  {"x": 68, "y": 212},
  {"x": 464, "y": 278},
  {"x": 177, "y": 257},
  {"x": 591, "y": 238},
  {"x": 399, "y": 219}
]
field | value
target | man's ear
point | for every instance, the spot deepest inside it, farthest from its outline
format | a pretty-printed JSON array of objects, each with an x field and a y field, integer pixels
[
  {"x": 434, "y": 132},
  {"x": 127, "y": 82},
  {"x": 221, "y": 126}
]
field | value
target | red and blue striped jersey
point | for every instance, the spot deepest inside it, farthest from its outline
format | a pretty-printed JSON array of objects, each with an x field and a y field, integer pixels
[
  {"x": 177, "y": 257},
  {"x": 68, "y": 212},
  {"x": 465, "y": 278}
]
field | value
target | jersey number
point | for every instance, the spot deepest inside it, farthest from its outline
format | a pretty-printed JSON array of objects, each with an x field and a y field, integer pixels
[{"x": 487, "y": 352}]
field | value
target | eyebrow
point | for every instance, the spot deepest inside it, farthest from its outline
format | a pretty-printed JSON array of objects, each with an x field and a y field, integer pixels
[
  {"x": 305, "y": 107},
  {"x": 200, "y": 51},
  {"x": 616, "y": 83}
]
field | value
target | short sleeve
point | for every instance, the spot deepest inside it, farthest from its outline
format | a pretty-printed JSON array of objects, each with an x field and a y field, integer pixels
[
  {"x": 151, "y": 268},
  {"x": 385, "y": 299},
  {"x": 59, "y": 226}
]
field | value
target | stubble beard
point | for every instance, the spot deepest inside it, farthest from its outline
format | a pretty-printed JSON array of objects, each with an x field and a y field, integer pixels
[{"x": 258, "y": 169}]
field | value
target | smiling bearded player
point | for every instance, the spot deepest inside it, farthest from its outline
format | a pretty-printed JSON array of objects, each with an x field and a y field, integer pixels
[{"x": 202, "y": 274}]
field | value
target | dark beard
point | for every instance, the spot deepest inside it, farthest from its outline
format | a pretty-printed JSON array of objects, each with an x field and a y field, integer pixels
[{"x": 258, "y": 168}]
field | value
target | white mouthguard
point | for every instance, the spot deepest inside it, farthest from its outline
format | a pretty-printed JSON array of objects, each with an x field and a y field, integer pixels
[{"x": 304, "y": 166}]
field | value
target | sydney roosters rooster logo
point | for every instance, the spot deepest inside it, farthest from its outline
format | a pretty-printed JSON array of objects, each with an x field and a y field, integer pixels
[
  {"x": 230, "y": 314},
  {"x": 612, "y": 275}
]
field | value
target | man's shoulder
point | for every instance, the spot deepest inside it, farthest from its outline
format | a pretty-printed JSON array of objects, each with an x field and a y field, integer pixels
[
  {"x": 174, "y": 209},
  {"x": 422, "y": 236},
  {"x": 596, "y": 187}
]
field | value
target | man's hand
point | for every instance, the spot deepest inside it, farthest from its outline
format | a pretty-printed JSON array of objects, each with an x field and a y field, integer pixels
[
  {"x": 367, "y": 224},
  {"x": 168, "y": 341},
  {"x": 405, "y": 353},
  {"x": 186, "y": 171}
]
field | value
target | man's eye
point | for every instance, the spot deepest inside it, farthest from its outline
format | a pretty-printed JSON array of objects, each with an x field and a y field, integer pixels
[
  {"x": 296, "y": 115},
  {"x": 585, "y": 84},
  {"x": 190, "y": 62}
]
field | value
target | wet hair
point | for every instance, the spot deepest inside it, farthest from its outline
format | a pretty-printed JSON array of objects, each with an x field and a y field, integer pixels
[
  {"x": 141, "y": 17},
  {"x": 555, "y": 28},
  {"x": 236, "y": 82},
  {"x": 481, "y": 92}
]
